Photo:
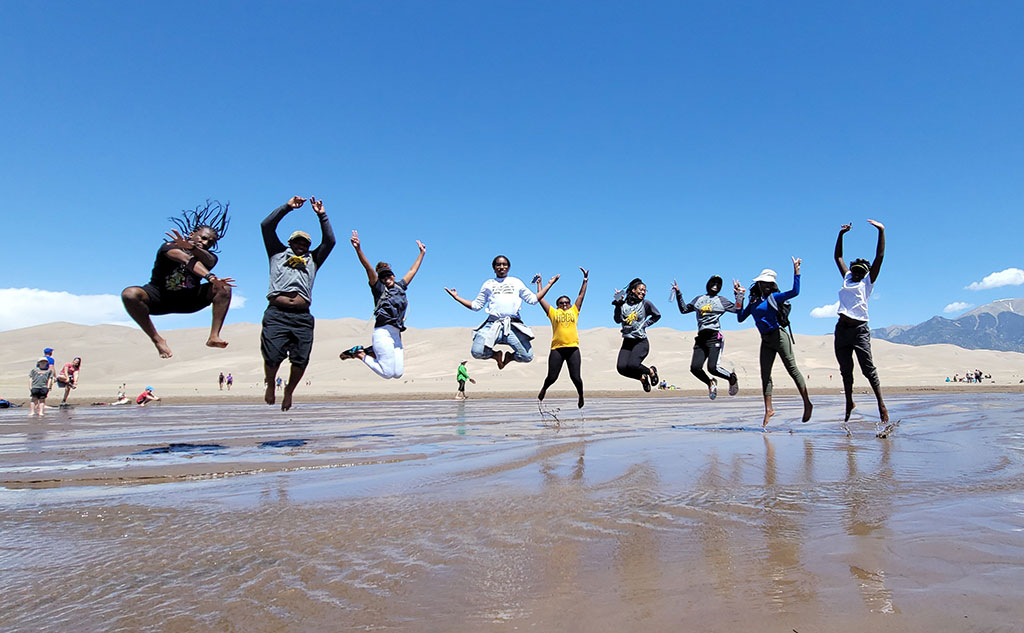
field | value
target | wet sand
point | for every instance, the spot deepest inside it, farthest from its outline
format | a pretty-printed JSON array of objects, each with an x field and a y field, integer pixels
[{"x": 666, "y": 514}]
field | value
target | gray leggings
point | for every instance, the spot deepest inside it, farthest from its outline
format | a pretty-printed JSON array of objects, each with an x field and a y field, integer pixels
[{"x": 778, "y": 342}]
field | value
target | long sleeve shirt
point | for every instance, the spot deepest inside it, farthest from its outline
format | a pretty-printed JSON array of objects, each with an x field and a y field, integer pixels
[
  {"x": 765, "y": 316},
  {"x": 636, "y": 318},
  {"x": 288, "y": 271},
  {"x": 503, "y": 297},
  {"x": 709, "y": 310}
]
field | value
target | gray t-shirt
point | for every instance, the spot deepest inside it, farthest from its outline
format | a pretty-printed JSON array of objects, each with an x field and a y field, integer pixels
[
  {"x": 390, "y": 304},
  {"x": 709, "y": 310},
  {"x": 40, "y": 377}
]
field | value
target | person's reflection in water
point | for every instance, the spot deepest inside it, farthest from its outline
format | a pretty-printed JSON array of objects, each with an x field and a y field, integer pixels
[
  {"x": 789, "y": 580},
  {"x": 868, "y": 501},
  {"x": 714, "y": 531},
  {"x": 637, "y": 556}
]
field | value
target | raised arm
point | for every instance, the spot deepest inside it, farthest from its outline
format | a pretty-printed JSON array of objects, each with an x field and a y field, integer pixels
[
  {"x": 269, "y": 224},
  {"x": 416, "y": 264},
  {"x": 583, "y": 289},
  {"x": 843, "y": 269},
  {"x": 876, "y": 266},
  {"x": 540, "y": 297},
  {"x": 617, "y": 301},
  {"x": 371, "y": 274},
  {"x": 738, "y": 292},
  {"x": 544, "y": 290},
  {"x": 683, "y": 306},
  {"x": 321, "y": 252},
  {"x": 789, "y": 294}
]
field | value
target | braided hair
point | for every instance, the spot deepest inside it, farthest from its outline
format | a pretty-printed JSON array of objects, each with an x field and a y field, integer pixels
[{"x": 212, "y": 215}]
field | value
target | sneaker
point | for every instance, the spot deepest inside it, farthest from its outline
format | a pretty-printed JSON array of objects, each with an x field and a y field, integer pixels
[
  {"x": 713, "y": 389},
  {"x": 734, "y": 385},
  {"x": 350, "y": 353}
]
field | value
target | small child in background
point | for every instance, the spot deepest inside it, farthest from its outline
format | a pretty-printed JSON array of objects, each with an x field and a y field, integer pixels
[{"x": 41, "y": 375}]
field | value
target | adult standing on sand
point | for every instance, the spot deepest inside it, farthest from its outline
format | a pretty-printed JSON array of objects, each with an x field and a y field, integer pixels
[
  {"x": 386, "y": 357},
  {"x": 766, "y": 303},
  {"x": 461, "y": 376},
  {"x": 67, "y": 379},
  {"x": 287, "y": 323},
  {"x": 709, "y": 343},
  {"x": 565, "y": 338},
  {"x": 220, "y": 381},
  {"x": 852, "y": 332},
  {"x": 636, "y": 313},
  {"x": 501, "y": 297},
  {"x": 175, "y": 285}
]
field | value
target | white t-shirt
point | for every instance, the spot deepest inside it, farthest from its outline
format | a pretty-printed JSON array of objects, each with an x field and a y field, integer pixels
[
  {"x": 853, "y": 297},
  {"x": 503, "y": 297}
]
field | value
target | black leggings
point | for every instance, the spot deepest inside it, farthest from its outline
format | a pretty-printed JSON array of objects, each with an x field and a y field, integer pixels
[
  {"x": 708, "y": 345},
  {"x": 571, "y": 357},
  {"x": 631, "y": 358}
]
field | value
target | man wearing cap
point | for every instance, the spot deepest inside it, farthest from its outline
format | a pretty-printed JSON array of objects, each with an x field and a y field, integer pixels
[{"x": 287, "y": 323}]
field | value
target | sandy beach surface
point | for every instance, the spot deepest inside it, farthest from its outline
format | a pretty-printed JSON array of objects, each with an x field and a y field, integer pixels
[
  {"x": 113, "y": 355},
  {"x": 670, "y": 514}
]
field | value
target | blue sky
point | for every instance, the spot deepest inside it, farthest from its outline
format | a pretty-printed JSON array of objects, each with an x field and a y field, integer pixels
[{"x": 660, "y": 140}]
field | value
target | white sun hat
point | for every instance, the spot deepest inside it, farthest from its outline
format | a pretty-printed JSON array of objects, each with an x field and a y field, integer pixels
[{"x": 766, "y": 275}]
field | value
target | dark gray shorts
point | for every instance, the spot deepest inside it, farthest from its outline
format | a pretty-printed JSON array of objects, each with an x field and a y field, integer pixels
[
  {"x": 40, "y": 392},
  {"x": 286, "y": 334}
]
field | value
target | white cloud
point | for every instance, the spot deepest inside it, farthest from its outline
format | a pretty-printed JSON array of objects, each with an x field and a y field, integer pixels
[
  {"x": 826, "y": 312},
  {"x": 957, "y": 306},
  {"x": 25, "y": 307},
  {"x": 1008, "y": 277}
]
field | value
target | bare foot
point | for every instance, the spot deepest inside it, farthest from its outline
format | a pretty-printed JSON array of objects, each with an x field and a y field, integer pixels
[
  {"x": 768, "y": 413},
  {"x": 501, "y": 359},
  {"x": 286, "y": 401},
  {"x": 808, "y": 408},
  {"x": 216, "y": 341},
  {"x": 850, "y": 406},
  {"x": 269, "y": 397},
  {"x": 162, "y": 347},
  {"x": 883, "y": 413}
]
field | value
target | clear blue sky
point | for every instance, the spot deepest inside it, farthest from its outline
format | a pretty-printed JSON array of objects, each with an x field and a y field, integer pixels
[{"x": 660, "y": 140}]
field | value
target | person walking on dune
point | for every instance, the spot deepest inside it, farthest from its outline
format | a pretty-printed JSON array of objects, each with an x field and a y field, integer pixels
[{"x": 287, "y": 330}]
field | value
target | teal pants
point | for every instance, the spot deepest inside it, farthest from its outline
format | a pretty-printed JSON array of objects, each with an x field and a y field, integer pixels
[{"x": 778, "y": 342}]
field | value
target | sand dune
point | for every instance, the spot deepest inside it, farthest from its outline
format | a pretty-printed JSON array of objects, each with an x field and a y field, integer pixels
[{"x": 115, "y": 354}]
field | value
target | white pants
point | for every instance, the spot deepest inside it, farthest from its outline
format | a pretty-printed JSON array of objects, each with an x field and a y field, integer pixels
[{"x": 390, "y": 355}]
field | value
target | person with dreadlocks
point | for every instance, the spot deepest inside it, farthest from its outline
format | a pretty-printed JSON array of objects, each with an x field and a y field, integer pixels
[
  {"x": 852, "y": 331},
  {"x": 386, "y": 357},
  {"x": 636, "y": 313},
  {"x": 287, "y": 324},
  {"x": 766, "y": 305},
  {"x": 709, "y": 343},
  {"x": 182, "y": 263}
]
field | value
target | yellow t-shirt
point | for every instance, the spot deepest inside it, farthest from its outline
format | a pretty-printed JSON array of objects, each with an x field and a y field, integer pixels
[{"x": 563, "y": 327}]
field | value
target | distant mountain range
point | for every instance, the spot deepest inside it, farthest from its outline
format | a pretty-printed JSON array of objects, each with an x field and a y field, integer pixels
[{"x": 998, "y": 326}]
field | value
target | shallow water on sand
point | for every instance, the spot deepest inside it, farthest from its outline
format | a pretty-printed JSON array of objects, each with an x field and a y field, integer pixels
[{"x": 464, "y": 516}]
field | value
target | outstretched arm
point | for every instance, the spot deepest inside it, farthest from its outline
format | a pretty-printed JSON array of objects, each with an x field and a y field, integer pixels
[
  {"x": 269, "y": 225},
  {"x": 843, "y": 269},
  {"x": 876, "y": 266},
  {"x": 371, "y": 274},
  {"x": 416, "y": 264},
  {"x": 583, "y": 289},
  {"x": 321, "y": 252},
  {"x": 544, "y": 290},
  {"x": 466, "y": 302},
  {"x": 540, "y": 298}
]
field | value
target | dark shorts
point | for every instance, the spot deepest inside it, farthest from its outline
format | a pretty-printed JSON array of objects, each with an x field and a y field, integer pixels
[
  {"x": 62, "y": 384},
  {"x": 178, "y": 302},
  {"x": 40, "y": 392},
  {"x": 286, "y": 334}
]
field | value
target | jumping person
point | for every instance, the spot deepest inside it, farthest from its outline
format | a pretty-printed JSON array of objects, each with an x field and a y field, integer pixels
[
  {"x": 67, "y": 379},
  {"x": 501, "y": 297},
  {"x": 852, "y": 331},
  {"x": 461, "y": 376},
  {"x": 182, "y": 263},
  {"x": 764, "y": 306},
  {"x": 709, "y": 343},
  {"x": 565, "y": 338},
  {"x": 287, "y": 323},
  {"x": 636, "y": 314},
  {"x": 387, "y": 356},
  {"x": 41, "y": 376}
]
